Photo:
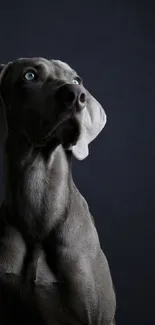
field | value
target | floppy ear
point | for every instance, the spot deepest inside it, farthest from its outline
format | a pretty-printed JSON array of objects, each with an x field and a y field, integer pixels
[
  {"x": 92, "y": 120},
  {"x": 3, "y": 121}
]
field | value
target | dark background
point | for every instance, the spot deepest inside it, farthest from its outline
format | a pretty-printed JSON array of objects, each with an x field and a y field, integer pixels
[{"x": 113, "y": 47}]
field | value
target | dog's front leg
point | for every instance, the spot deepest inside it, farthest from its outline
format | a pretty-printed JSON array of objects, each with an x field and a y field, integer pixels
[
  {"x": 12, "y": 247},
  {"x": 73, "y": 253}
]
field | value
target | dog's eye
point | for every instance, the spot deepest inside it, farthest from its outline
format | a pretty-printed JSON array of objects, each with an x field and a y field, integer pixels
[
  {"x": 30, "y": 75},
  {"x": 77, "y": 80}
]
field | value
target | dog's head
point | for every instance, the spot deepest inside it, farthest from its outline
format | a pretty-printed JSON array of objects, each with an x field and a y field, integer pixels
[{"x": 42, "y": 99}]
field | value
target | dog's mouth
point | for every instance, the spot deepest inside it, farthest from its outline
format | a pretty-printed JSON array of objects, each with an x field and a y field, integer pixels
[
  {"x": 70, "y": 115},
  {"x": 65, "y": 129}
]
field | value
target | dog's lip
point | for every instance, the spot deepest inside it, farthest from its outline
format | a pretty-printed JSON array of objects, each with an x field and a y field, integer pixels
[
  {"x": 55, "y": 128},
  {"x": 52, "y": 131},
  {"x": 70, "y": 113}
]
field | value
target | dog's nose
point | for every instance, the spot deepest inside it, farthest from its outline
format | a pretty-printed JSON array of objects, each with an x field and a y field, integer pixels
[{"x": 72, "y": 94}]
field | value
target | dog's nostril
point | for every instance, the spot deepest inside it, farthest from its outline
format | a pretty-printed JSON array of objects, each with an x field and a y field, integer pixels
[
  {"x": 82, "y": 98},
  {"x": 70, "y": 97}
]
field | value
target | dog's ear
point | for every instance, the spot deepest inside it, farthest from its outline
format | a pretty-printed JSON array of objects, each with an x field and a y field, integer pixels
[
  {"x": 3, "y": 121},
  {"x": 92, "y": 120},
  {"x": 2, "y": 66}
]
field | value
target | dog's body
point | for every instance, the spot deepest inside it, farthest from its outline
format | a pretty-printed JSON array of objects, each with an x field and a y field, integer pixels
[{"x": 43, "y": 211}]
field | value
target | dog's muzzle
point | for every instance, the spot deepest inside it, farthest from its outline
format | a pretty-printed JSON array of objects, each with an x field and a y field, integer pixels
[{"x": 72, "y": 96}]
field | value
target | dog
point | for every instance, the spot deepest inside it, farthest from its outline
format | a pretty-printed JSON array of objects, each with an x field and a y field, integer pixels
[{"x": 47, "y": 116}]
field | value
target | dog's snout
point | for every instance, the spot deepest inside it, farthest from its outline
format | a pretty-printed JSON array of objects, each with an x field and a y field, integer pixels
[{"x": 72, "y": 94}]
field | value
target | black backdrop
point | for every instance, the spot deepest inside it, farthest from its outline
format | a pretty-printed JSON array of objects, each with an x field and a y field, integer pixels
[{"x": 113, "y": 47}]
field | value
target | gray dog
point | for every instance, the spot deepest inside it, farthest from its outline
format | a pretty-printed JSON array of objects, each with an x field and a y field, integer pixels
[{"x": 46, "y": 116}]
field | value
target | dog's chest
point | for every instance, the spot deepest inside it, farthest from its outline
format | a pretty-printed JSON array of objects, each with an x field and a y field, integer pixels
[
  {"x": 32, "y": 191},
  {"x": 42, "y": 196},
  {"x": 34, "y": 186}
]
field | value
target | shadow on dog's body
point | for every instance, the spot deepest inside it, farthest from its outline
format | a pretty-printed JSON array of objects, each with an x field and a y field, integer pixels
[{"x": 43, "y": 211}]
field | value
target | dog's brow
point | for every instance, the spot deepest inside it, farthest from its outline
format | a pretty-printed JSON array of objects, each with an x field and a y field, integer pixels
[{"x": 44, "y": 66}]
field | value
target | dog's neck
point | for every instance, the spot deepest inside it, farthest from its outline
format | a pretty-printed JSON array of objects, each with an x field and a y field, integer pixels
[{"x": 36, "y": 179}]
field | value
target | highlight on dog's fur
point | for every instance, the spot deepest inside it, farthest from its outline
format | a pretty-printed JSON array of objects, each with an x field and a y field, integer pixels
[{"x": 47, "y": 234}]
